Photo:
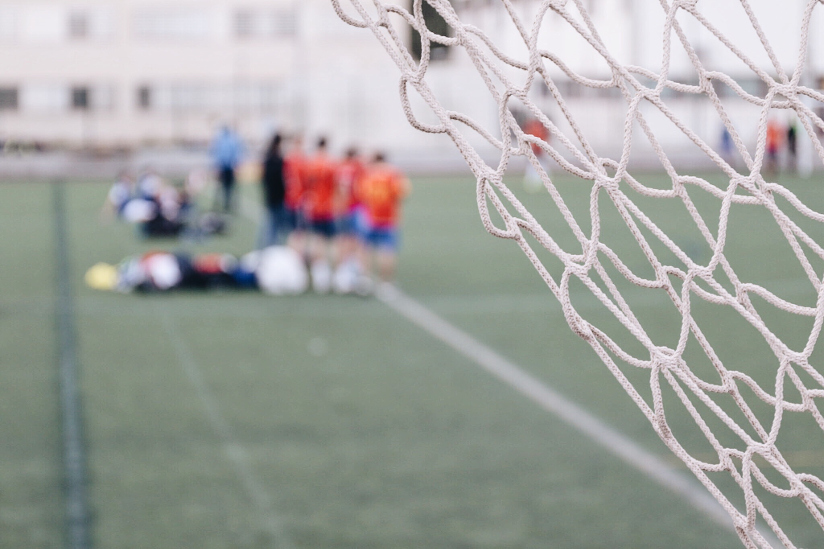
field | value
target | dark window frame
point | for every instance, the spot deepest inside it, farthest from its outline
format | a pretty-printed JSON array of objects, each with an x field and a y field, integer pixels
[
  {"x": 144, "y": 97},
  {"x": 80, "y": 98},
  {"x": 79, "y": 25},
  {"x": 435, "y": 23},
  {"x": 9, "y": 98},
  {"x": 244, "y": 24}
]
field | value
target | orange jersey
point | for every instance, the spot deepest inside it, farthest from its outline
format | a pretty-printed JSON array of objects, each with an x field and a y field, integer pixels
[
  {"x": 380, "y": 191},
  {"x": 321, "y": 188},
  {"x": 350, "y": 172},
  {"x": 775, "y": 135},
  {"x": 294, "y": 166}
]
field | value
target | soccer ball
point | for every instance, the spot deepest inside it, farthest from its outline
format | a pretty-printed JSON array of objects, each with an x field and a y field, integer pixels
[{"x": 281, "y": 271}]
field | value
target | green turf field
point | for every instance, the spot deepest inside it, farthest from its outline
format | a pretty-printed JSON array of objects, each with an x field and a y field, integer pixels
[{"x": 241, "y": 420}]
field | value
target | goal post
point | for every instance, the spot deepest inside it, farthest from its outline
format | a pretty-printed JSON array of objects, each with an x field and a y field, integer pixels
[{"x": 713, "y": 111}]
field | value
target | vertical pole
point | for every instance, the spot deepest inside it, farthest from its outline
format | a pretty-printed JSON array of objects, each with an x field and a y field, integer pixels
[{"x": 806, "y": 152}]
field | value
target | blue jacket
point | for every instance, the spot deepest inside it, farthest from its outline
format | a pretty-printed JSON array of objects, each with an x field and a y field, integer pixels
[{"x": 227, "y": 149}]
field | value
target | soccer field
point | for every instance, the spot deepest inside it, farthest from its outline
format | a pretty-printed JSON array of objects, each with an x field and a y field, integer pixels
[{"x": 234, "y": 419}]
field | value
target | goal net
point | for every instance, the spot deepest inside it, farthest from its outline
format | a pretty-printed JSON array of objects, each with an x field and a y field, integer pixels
[{"x": 711, "y": 242}]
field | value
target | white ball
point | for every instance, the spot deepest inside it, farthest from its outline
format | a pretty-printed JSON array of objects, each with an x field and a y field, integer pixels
[
  {"x": 163, "y": 271},
  {"x": 281, "y": 271},
  {"x": 138, "y": 210}
]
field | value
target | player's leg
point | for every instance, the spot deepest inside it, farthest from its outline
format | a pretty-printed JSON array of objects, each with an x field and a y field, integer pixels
[
  {"x": 320, "y": 252},
  {"x": 296, "y": 232},
  {"x": 386, "y": 253},
  {"x": 347, "y": 267},
  {"x": 228, "y": 189}
]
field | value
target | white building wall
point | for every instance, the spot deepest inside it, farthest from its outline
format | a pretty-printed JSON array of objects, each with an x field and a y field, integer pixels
[
  {"x": 187, "y": 53},
  {"x": 301, "y": 69},
  {"x": 632, "y": 31}
]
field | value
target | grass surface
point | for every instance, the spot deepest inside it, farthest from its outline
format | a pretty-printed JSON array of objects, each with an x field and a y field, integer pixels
[
  {"x": 30, "y": 496},
  {"x": 240, "y": 420}
]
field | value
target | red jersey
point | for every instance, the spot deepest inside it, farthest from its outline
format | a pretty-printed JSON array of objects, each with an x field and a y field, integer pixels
[
  {"x": 321, "y": 189},
  {"x": 294, "y": 166},
  {"x": 350, "y": 172},
  {"x": 535, "y": 128},
  {"x": 380, "y": 191}
]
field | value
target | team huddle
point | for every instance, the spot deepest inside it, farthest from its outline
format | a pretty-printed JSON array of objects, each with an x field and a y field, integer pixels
[
  {"x": 331, "y": 224},
  {"x": 340, "y": 215}
]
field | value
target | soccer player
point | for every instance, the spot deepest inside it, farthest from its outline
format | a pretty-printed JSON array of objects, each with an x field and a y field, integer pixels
[
  {"x": 349, "y": 173},
  {"x": 294, "y": 167},
  {"x": 320, "y": 203},
  {"x": 532, "y": 179},
  {"x": 381, "y": 191}
]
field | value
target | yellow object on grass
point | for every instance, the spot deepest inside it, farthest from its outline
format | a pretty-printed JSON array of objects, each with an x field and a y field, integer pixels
[{"x": 101, "y": 276}]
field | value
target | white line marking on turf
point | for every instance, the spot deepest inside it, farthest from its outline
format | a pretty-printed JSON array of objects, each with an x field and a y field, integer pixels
[
  {"x": 549, "y": 399},
  {"x": 235, "y": 452},
  {"x": 553, "y": 401}
]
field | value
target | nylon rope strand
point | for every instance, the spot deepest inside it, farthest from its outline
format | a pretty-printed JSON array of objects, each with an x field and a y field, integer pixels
[{"x": 754, "y": 463}]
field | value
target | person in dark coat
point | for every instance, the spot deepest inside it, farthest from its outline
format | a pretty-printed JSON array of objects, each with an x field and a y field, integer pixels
[
  {"x": 274, "y": 193},
  {"x": 792, "y": 148}
]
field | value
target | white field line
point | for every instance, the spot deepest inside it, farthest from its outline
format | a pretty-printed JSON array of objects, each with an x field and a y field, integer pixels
[
  {"x": 552, "y": 401},
  {"x": 234, "y": 451}
]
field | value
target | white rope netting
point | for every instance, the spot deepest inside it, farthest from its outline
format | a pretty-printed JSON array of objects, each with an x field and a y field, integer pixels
[{"x": 736, "y": 407}]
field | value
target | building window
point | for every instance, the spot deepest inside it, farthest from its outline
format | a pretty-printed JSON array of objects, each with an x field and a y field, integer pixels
[
  {"x": 9, "y": 23},
  {"x": 8, "y": 99},
  {"x": 284, "y": 23},
  {"x": 264, "y": 24},
  {"x": 180, "y": 24},
  {"x": 144, "y": 97},
  {"x": 244, "y": 24},
  {"x": 435, "y": 23},
  {"x": 78, "y": 25},
  {"x": 752, "y": 85},
  {"x": 81, "y": 98},
  {"x": 206, "y": 97}
]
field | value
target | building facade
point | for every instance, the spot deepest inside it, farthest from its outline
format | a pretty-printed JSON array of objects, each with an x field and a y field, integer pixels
[
  {"x": 128, "y": 72},
  {"x": 99, "y": 73}
]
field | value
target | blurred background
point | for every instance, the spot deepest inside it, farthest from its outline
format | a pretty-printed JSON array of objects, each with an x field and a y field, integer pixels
[
  {"x": 141, "y": 77},
  {"x": 231, "y": 419}
]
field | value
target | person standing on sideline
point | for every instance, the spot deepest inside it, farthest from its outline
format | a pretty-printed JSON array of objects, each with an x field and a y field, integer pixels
[
  {"x": 792, "y": 148},
  {"x": 381, "y": 191},
  {"x": 727, "y": 146},
  {"x": 227, "y": 152},
  {"x": 274, "y": 192},
  {"x": 774, "y": 143}
]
